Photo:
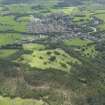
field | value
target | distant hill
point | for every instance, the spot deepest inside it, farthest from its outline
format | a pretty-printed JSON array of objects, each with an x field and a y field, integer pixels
[
  {"x": 79, "y": 2},
  {"x": 99, "y": 1},
  {"x": 70, "y": 3},
  {"x": 27, "y": 1},
  {"x": 60, "y": 3}
]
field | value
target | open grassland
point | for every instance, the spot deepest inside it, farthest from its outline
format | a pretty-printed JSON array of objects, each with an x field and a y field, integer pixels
[
  {"x": 82, "y": 19},
  {"x": 56, "y": 59},
  {"x": 19, "y": 101},
  {"x": 6, "y": 53},
  {"x": 65, "y": 10},
  {"x": 44, "y": 11},
  {"x": 101, "y": 16},
  {"x": 23, "y": 19},
  {"x": 9, "y": 38},
  {"x": 20, "y": 9},
  {"x": 33, "y": 46},
  {"x": 25, "y": 8},
  {"x": 7, "y": 23},
  {"x": 77, "y": 42},
  {"x": 82, "y": 16},
  {"x": 84, "y": 46},
  {"x": 89, "y": 51},
  {"x": 85, "y": 15}
]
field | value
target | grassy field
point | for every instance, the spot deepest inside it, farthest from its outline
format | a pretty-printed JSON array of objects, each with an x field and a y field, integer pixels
[
  {"x": 77, "y": 42},
  {"x": 32, "y": 46},
  {"x": 25, "y": 8},
  {"x": 24, "y": 18},
  {"x": 65, "y": 10},
  {"x": 20, "y": 9},
  {"x": 82, "y": 16},
  {"x": 93, "y": 11},
  {"x": 6, "y": 53},
  {"x": 19, "y": 101},
  {"x": 82, "y": 19},
  {"x": 57, "y": 59},
  {"x": 9, "y": 38},
  {"x": 89, "y": 51},
  {"x": 101, "y": 16},
  {"x": 82, "y": 46},
  {"x": 9, "y": 24}
]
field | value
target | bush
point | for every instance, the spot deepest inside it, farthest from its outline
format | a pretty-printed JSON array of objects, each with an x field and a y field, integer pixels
[
  {"x": 56, "y": 53},
  {"x": 49, "y": 53},
  {"x": 63, "y": 65},
  {"x": 52, "y": 58},
  {"x": 41, "y": 57}
]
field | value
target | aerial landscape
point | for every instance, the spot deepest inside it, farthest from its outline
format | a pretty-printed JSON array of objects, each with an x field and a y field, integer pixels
[{"x": 52, "y": 52}]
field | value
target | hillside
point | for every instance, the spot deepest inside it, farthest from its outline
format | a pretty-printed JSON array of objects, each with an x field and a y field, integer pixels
[
  {"x": 80, "y": 2},
  {"x": 52, "y": 52},
  {"x": 41, "y": 2},
  {"x": 61, "y": 2}
]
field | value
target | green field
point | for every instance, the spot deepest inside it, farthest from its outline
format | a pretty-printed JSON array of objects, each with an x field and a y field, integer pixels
[
  {"x": 7, "y": 23},
  {"x": 9, "y": 38},
  {"x": 77, "y": 42},
  {"x": 33, "y": 46},
  {"x": 20, "y": 9},
  {"x": 6, "y": 53},
  {"x": 83, "y": 46},
  {"x": 19, "y": 101},
  {"x": 65, "y": 10},
  {"x": 89, "y": 51},
  {"x": 101, "y": 16},
  {"x": 56, "y": 59}
]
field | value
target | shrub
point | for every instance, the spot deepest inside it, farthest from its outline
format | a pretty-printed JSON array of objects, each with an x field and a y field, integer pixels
[
  {"x": 49, "y": 53},
  {"x": 63, "y": 64},
  {"x": 41, "y": 57},
  {"x": 56, "y": 53},
  {"x": 52, "y": 58}
]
